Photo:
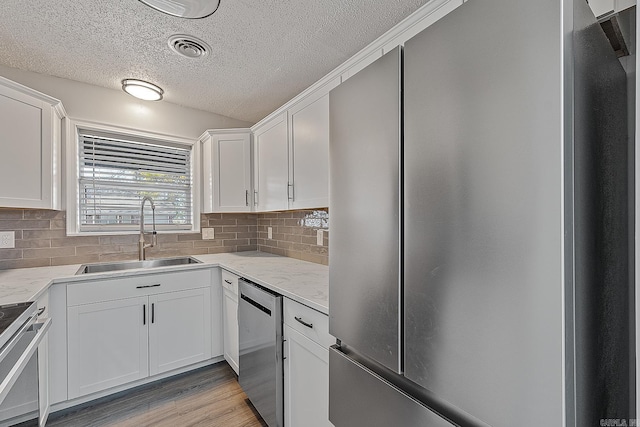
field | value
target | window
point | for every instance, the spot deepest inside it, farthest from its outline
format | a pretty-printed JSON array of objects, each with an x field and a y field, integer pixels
[{"x": 116, "y": 171}]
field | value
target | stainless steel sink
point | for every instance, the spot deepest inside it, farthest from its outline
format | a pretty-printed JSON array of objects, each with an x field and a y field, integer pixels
[{"x": 128, "y": 265}]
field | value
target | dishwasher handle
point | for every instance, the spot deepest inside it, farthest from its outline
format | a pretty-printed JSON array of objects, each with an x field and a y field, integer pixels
[{"x": 256, "y": 304}]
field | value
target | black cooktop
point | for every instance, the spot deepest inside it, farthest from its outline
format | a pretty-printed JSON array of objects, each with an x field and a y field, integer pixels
[{"x": 10, "y": 312}]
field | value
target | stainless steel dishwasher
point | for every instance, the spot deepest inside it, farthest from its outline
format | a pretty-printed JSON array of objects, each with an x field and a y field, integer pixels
[{"x": 261, "y": 364}]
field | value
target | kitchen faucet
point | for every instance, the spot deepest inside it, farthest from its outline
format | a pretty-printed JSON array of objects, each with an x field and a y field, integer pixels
[{"x": 154, "y": 236}]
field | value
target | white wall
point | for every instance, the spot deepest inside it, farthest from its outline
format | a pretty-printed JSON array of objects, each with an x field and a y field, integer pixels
[{"x": 87, "y": 102}]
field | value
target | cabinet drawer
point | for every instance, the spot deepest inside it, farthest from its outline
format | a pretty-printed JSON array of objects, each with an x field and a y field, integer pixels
[
  {"x": 230, "y": 281},
  {"x": 134, "y": 286},
  {"x": 294, "y": 316}
]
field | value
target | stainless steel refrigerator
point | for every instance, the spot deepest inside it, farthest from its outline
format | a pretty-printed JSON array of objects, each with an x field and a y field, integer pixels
[{"x": 479, "y": 262}]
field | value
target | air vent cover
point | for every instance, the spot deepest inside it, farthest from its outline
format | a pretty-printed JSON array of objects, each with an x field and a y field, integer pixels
[{"x": 189, "y": 46}]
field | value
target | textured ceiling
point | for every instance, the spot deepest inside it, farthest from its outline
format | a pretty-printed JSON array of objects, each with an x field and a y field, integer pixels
[{"x": 264, "y": 52}]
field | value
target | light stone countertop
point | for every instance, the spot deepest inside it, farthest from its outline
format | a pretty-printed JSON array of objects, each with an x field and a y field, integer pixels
[
  {"x": 27, "y": 284},
  {"x": 302, "y": 281}
]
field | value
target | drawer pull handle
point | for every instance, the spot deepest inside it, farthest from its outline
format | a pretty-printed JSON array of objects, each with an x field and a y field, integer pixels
[
  {"x": 308, "y": 325},
  {"x": 227, "y": 281},
  {"x": 148, "y": 286},
  {"x": 41, "y": 310}
]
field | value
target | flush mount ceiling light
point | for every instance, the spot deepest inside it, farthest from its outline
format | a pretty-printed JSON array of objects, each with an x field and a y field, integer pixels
[
  {"x": 142, "y": 90},
  {"x": 185, "y": 8}
]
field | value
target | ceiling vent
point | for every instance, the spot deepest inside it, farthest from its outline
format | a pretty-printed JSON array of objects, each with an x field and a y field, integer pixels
[{"x": 188, "y": 46}]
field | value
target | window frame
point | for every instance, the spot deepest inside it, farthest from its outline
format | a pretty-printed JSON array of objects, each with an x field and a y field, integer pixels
[{"x": 73, "y": 129}]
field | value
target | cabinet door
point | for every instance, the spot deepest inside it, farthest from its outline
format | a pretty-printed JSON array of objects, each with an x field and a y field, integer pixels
[
  {"x": 271, "y": 165},
  {"x": 227, "y": 171},
  {"x": 30, "y": 137},
  {"x": 230, "y": 313},
  {"x": 309, "y": 168},
  {"x": 362, "y": 64},
  {"x": 107, "y": 344},
  {"x": 179, "y": 329},
  {"x": 234, "y": 173},
  {"x": 306, "y": 382}
]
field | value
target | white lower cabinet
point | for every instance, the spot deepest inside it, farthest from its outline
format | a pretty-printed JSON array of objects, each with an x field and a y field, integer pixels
[
  {"x": 128, "y": 337},
  {"x": 179, "y": 332},
  {"x": 107, "y": 345},
  {"x": 230, "y": 319},
  {"x": 306, "y": 366}
]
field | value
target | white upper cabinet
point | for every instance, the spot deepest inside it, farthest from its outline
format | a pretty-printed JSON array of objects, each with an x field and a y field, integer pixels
[
  {"x": 298, "y": 132},
  {"x": 309, "y": 148},
  {"x": 291, "y": 155},
  {"x": 362, "y": 64},
  {"x": 226, "y": 170},
  {"x": 30, "y": 131},
  {"x": 271, "y": 158}
]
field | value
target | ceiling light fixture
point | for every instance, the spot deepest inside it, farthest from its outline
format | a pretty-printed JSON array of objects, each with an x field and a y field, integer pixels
[
  {"x": 142, "y": 90},
  {"x": 190, "y": 9}
]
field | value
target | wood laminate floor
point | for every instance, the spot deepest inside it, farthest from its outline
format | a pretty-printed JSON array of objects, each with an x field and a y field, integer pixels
[{"x": 207, "y": 397}]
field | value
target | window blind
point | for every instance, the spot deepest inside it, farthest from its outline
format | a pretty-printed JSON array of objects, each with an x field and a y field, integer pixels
[{"x": 115, "y": 174}]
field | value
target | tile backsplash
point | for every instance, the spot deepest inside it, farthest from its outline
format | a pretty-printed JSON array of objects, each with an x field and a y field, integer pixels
[
  {"x": 294, "y": 234},
  {"x": 41, "y": 240}
]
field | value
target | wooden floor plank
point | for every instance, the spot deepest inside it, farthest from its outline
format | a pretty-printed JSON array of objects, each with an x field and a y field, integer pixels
[{"x": 207, "y": 397}]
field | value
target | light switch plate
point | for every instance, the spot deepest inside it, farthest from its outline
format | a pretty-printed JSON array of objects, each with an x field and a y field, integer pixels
[
  {"x": 320, "y": 238},
  {"x": 269, "y": 232},
  {"x": 7, "y": 239},
  {"x": 208, "y": 234}
]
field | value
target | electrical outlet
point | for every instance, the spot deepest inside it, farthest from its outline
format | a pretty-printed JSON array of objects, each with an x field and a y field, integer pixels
[
  {"x": 320, "y": 238},
  {"x": 7, "y": 239},
  {"x": 269, "y": 232},
  {"x": 208, "y": 234}
]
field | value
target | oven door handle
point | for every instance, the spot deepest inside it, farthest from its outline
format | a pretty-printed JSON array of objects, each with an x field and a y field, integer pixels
[
  {"x": 41, "y": 329},
  {"x": 16, "y": 337}
]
